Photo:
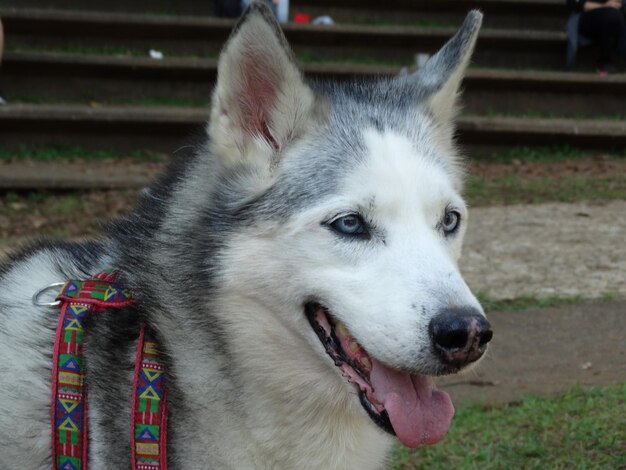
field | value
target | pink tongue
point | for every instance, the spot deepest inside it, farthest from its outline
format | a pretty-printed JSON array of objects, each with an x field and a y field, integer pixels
[{"x": 418, "y": 412}]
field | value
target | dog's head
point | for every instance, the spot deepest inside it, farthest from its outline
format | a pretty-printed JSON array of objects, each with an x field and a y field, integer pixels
[{"x": 350, "y": 219}]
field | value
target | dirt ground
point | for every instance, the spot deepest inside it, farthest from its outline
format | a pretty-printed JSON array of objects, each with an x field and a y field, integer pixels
[
  {"x": 547, "y": 249},
  {"x": 547, "y": 351},
  {"x": 124, "y": 172}
]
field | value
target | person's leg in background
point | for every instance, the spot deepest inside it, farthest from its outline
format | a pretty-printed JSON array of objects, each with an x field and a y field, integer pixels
[
  {"x": 621, "y": 41},
  {"x": 2, "y": 101},
  {"x": 604, "y": 26}
]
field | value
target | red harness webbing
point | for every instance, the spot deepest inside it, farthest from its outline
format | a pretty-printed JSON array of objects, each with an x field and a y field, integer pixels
[
  {"x": 149, "y": 419},
  {"x": 77, "y": 300}
]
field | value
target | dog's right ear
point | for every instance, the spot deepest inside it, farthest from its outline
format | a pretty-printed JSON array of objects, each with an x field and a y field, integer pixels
[{"x": 260, "y": 103}]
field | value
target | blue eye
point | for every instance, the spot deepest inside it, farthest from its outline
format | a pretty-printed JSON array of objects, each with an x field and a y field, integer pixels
[
  {"x": 450, "y": 222},
  {"x": 350, "y": 225}
]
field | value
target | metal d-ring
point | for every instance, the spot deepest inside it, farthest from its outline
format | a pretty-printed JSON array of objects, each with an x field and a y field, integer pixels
[{"x": 44, "y": 289}]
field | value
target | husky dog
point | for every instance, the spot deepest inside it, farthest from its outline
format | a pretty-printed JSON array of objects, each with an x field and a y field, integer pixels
[{"x": 299, "y": 271}]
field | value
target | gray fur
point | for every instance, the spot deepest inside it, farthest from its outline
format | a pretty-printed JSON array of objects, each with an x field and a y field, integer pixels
[{"x": 176, "y": 251}]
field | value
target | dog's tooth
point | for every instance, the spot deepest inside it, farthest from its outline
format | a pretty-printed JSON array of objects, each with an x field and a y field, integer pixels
[
  {"x": 342, "y": 330},
  {"x": 354, "y": 346},
  {"x": 366, "y": 362}
]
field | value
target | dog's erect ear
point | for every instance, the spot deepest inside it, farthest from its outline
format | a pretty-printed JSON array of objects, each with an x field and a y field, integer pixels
[
  {"x": 440, "y": 78},
  {"x": 260, "y": 102}
]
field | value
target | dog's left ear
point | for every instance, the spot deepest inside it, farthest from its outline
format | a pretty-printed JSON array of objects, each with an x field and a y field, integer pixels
[
  {"x": 439, "y": 80},
  {"x": 260, "y": 103}
]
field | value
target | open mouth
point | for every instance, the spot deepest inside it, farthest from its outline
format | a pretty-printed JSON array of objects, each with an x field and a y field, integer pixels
[{"x": 407, "y": 406}]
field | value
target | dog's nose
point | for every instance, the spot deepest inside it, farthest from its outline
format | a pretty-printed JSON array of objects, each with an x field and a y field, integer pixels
[{"x": 460, "y": 336}]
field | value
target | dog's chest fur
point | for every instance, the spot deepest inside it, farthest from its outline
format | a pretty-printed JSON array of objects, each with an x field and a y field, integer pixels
[{"x": 216, "y": 419}]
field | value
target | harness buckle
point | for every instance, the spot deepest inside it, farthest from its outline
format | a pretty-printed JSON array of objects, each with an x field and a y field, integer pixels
[{"x": 37, "y": 294}]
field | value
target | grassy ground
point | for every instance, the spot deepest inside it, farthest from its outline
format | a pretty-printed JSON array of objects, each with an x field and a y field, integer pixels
[
  {"x": 544, "y": 154},
  {"x": 540, "y": 154},
  {"x": 512, "y": 189},
  {"x": 26, "y": 216},
  {"x": 545, "y": 174},
  {"x": 17, "y": 209},
  {"x": 94, "y": 100},
  {"x": 583, "y": 429},
  {"x": 71, "y": 153},
  {"x": 531, "y": 114},
  {"x": 519, "y": 175},
  {"x": 78, "y": 48}
]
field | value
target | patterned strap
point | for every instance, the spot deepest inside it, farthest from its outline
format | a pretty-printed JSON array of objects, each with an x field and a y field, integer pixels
[
  {"x": 99, "y": 292},
  {"x": 148, "y": 427},
  {"x": 69, "y": 394}
]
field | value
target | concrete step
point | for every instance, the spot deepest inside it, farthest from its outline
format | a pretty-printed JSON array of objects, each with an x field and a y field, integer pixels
[
  {"x": 502, "y": 132},
  {"x": 185, "y": 35},
  {"x": 123, "y": 128},
  {"x": 527, "y": 14},
  {"x": 166, "y": 129},
  {"x": 54, "y": 77},
  {"x": 563, "y": 94}
]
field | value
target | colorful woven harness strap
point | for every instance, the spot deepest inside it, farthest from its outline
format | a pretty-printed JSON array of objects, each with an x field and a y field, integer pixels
[
  {"x": 149, "y": 418},
  {"x": 77, "y": 300}
]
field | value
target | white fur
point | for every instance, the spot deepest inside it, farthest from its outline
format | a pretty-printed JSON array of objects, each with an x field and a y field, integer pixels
[
  {"x": 25, "y": 398},
  {"x": 25, "y": 349},
  {"x": 371, "y": 288}
]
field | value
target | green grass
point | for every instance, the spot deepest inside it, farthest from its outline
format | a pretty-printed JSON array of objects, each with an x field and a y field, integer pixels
[
  {"x": 140, "y": 101},
  {"x": 512, "y": 189},
  {"x": 68, "y": 205},
  {"x": 304, "y": 57},
  {"x": 543, "y": 154},
  {"x": 162, "y": 101},
  {"x": 70, "y": 153},
  {"x": 531, "y": 114},
  {"x": 582, "y": 429},
  {"x": 77, "y": 48}
]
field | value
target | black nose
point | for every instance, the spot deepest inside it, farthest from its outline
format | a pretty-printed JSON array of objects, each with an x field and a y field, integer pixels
[{"x": 460, "y": 336}]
